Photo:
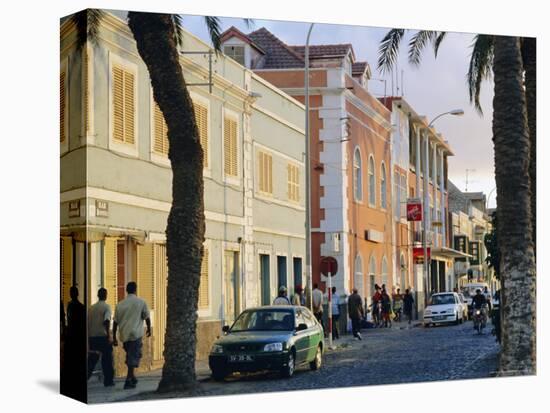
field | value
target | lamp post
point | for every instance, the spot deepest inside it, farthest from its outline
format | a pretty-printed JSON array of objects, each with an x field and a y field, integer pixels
[
  {"x": 308, "y": 173},
  {"x": 425, "y": 212}
]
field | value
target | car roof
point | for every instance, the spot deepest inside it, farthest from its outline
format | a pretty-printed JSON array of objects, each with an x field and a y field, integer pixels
[
  {"x": 445, "y": 293},
  {"x": 272, "y": 307}
]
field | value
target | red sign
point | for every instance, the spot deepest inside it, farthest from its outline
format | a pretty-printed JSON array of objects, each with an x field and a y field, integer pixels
[
  {"x": 418, "y": 254},
  {"x": 329, "y": 265},
  {"x": 414, "y": 210}
]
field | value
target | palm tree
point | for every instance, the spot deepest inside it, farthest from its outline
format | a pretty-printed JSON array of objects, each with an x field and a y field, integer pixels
[
  {"x": 157, "y": 38},
  {"x": 512, "y": 152},
  {"x": 514, "y": 141}
]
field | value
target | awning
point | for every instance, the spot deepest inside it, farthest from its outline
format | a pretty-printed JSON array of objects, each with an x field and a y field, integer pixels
[{"x": 444, "y": 252}]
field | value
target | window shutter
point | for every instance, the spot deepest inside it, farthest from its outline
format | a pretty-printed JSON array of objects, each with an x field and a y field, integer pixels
[
  {"x": 204, "y": 301},
  {"x": 161, "y": 278},
  {"x": 110, "y": 271},
  {"x": 66, "y": 268},
  {"x": 146, "y": 274},
  {"x": 160, "y": 132},
  {"x": 123, "y": 105},
  {"x": 293, "y": 182},
  {"x": 230, "y": 147},
  {"x": 129, "y": 107},
  {"x": 269, "y": 174},
  {"x": 201, "y": 118},
  {"x": 63, "y": 106}
]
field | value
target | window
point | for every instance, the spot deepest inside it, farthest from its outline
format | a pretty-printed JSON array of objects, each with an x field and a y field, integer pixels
[
  {"x": 403, "y": 197},
  {"x": 372, "y": 182},
  {"x": 201, "y": 118},
  {"x": 204, "y": 299},
  {"x": 230, "y": 147},
  {"x": 372, "y": 273},
  {"x": 293, "y": 178},
  {"x": 412, "y": 148},
  {"x": 123, "y": 109},
  {"x": 403, "y": 270},
  {"x": 385, "y": 272},
  {"x": 265, "y": 172},
  {"x": 357, "y": 176},
  {"x": 235, "y": 52},
  {"x": 63, "y": 103},
  {"x": 383, "y": 187},
  {"x": 396, "y": 195},
  {"x": 160, "y": 134},
  {"x": 358, "y": 278}
]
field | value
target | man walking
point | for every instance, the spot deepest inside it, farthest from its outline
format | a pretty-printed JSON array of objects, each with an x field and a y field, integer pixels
[
  {"x": 317, "y": 301},
  {"x": 282, "y": 298},
  {"x": 356, "y": 313},
  {"x": 129, "y": 316},
  {"x": 99, "y": 338},
  {"x": 408, "y": 302}
]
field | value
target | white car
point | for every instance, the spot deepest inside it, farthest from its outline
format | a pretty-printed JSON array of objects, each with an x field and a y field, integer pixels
[
  {"x": 464, "y": 306},
  {"x": 443, "y": 308}
]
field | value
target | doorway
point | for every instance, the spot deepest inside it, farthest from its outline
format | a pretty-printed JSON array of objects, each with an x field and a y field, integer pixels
[
  {"x": 265, "y": 279},
  {"x": 231, "y": 283}
]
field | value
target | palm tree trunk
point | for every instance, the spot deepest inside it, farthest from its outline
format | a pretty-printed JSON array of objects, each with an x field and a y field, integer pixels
[
  {"x": 529, "y": 54},
  {"x": 154, "y": 35},
  {"x": 512, "y": 152}
]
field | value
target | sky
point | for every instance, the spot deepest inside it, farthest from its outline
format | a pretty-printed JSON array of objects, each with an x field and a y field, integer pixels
[{"x": 436, "y": 86}]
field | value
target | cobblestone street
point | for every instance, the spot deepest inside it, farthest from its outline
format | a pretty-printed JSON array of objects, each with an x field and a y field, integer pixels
[{"x": 384, "y": 356}]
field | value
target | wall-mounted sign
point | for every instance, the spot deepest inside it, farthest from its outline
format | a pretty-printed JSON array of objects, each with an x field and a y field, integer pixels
[
  {"x": 335, "y": 236},
  {"x": 414, "y": 209},
  {"x": 74, "y": 208},
  {"x": 101, "y": 208},
  {"x": 418, "y": 254},
  {"x": 374, "y": 236}
]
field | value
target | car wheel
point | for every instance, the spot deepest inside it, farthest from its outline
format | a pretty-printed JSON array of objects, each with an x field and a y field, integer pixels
[
  {"x": 318, "y": 360},
  {"x": 219, "y": 375},
  {"x": 288, "y": 370}
]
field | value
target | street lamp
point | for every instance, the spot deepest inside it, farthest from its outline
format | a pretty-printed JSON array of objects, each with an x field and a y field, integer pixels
[
  {"x": 454, "y": 112},
  {"x": 308, "y": 173}
]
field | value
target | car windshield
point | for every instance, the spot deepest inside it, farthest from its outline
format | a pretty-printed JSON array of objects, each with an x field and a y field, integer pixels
[
  {"x": 442, "y": 299},
  {"x": 264, "y": 320}
]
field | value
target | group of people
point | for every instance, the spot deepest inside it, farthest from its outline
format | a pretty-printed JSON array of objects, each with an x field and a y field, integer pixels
[
  {"x": 129, "y": 316},
  {"x": 382, "y": 309}
]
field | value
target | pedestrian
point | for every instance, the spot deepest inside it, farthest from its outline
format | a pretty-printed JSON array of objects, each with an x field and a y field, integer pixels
[
  {"x": 397, "y": 304},
  {"x": 376, "y": 306},
  {"x": 298, "y": 297},
  {"x": 356, "y": 313},
  {"x": 317, "y": 303},
  {"x": 408, "y": 302},
  {"x": 99, "y": 338},
  {"x": 74, "y": 359},
  {"x": 129, "y": 316},
  {"x": 335, "y": 314},
  {"x": 282, "y": 298},
  {"x": 386, "y": 307}
]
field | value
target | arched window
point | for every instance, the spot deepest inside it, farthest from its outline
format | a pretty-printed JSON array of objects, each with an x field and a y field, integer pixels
[
  {"x": 357, "y": 175},
  {"x": 358, "y": 278},
  {"x": 372, "y": 274},
  {"x": 372, "y": 182},
  {"x": 383, "y": 187},
  {"x": 403, "y": 271},
  {"x": 385, "y": 273}
]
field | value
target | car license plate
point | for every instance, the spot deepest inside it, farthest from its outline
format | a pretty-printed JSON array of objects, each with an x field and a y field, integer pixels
[
  {"x": 240, "y": 357},
  {"x": 439, "y": 317}
]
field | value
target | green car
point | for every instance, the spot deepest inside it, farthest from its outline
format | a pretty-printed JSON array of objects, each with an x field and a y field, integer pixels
[{"x": 278, "y": 338}]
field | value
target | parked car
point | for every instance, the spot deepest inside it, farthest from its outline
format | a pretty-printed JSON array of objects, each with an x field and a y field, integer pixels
[
  {"x": 443, "y": 308},
  {"x": 464, "y": 306},
  {"x": 277, "y": 338}
]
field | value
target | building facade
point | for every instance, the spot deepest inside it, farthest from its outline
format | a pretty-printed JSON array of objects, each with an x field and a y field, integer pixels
[
  {"x": 350, "y": 154},
  {"x": 116, "y": 180}
]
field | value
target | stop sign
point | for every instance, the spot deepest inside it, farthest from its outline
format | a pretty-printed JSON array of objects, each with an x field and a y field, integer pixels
[{"x": 329, "y": 265}]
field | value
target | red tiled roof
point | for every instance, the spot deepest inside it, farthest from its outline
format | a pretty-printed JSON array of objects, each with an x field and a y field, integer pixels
[
  {"x": 278, "y": 54},
  {"x": 359, "y": 67},
  {"x": 324, "y": 50}
]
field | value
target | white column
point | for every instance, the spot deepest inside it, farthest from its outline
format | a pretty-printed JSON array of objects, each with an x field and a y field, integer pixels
[{"x": 442, "y": 201}]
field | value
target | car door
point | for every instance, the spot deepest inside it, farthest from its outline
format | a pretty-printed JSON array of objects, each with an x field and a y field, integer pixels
[
  {"x": 301, "y": 339},
  {"x": 315, "y": 333}
]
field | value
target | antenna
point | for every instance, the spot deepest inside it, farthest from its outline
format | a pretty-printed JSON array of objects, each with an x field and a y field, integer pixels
[{"x": 467, "y": 171}]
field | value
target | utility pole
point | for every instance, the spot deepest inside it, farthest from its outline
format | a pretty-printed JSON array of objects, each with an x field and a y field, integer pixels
[{"x": 309, "y": 277}]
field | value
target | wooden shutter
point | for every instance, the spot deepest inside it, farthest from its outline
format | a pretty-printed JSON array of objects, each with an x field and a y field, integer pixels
[
  {"x": 230, "y": 147},
  {"x": 123, "y": 105},
  {"x": 146, "y": 274},
  {"x": 265, "y": 171},
  {"x": 66, "y": 247},
  {"x": 161, "y": 278},
  {"x": 204, "y": 301},
  {"x": 62, "y": 106},
  {"x": 293, "y": 182},
  {"x": 110, "y": 271},
  {"x": 269, "y": 173},
  {"x": 201, "y": 118},
  {"x": 160, "y": 132}
]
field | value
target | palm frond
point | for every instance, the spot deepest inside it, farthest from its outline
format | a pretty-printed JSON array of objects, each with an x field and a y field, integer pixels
[
  {"x": 481, "y": 64},
  {"x": 87, "y": 25},
  {"x": 177, "y": 21},
  {"x": 418, "y": 43},
  {"x": 389, "y": 49},
  {"x": 438, "y": 41},
  {"x": 213, "y": 24}
]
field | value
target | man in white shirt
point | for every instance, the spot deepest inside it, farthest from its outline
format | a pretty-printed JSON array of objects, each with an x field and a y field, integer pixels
[
  {"x": 99, "y": 338},
  {"x": 317, "y": 301},
  {"x": 282, "y": 298},
  {"x": 129, "y": 316}
]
